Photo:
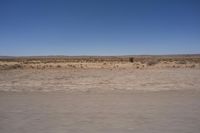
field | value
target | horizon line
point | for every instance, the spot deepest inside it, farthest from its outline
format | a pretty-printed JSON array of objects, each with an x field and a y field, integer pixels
[{"x": 120, "y": 55}]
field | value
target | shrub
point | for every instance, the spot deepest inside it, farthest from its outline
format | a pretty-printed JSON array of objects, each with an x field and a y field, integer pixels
[
  {"x": 32, "y": 67},
  {"x": 193, "y": 66},
  {"x": 131, "y": 59},
  {"x": 16, "y": 66},
  {"x": 152, "y": 62},
  {"x": 181, "y": 62},
  {"x": 58, "y": 66}
]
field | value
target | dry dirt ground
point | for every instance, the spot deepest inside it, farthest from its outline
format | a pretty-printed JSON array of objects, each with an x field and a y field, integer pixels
[
  {"x": 100, "y": 100},
  {"x": 99, "y": 80},
  {"x": 141, "y": 112}
]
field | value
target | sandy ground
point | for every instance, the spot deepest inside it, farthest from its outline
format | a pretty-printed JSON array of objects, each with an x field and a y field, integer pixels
[
  {"x": 100, "y": 101},
  {"x": 141, "y": 112},
  {"x": 95, "y": 80}
]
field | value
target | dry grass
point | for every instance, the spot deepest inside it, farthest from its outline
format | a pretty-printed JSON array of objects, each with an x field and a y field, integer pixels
[
  {"x": 99, "y": 62},
  {"x": 152, "y": 62},
  {"x": 181, "y": 62}
]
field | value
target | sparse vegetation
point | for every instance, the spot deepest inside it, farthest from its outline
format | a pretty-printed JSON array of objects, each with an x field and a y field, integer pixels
[
  {"x": 32, "y": 67},
  {"x": 13, "y": 66},
  {"x": 108, "y": 61},
  {"x": 181, "y": 62},
  {"x": 193, "y": 66},
  {"x": 152, "y": 62}
]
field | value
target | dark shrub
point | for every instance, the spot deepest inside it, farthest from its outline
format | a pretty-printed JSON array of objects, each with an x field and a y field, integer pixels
[
  {"x": 131, "y": 59},
  {"x": 58, "y": 66}
]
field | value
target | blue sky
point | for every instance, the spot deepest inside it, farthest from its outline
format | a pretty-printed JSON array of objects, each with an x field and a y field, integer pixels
[{"x": 99, "y": 27}]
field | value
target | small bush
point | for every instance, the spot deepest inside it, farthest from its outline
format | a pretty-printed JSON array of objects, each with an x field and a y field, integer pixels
[
  {"x": 193, "y": 66},
  {"x": 32, "y": 67},
  {"x": 58, "y": 66},
  {"x": 152, "y": 62},
  {"x": 181, "y": 62},
  {"x": 16, "y": 66},
  {"x": 131, "y": 59}
]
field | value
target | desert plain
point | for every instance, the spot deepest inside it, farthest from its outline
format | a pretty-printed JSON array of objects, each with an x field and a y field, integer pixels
[{"x": 119, "y": 94}]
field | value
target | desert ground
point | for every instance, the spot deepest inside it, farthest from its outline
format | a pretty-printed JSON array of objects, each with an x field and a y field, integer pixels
[{"x": 100, "y": 94}]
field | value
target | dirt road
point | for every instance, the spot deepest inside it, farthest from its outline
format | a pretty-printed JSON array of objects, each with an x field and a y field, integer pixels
[{"x": 141, "y": 112}]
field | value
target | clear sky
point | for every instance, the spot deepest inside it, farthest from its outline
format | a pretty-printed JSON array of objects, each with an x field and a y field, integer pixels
[{"x": 99, "y": 27}]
